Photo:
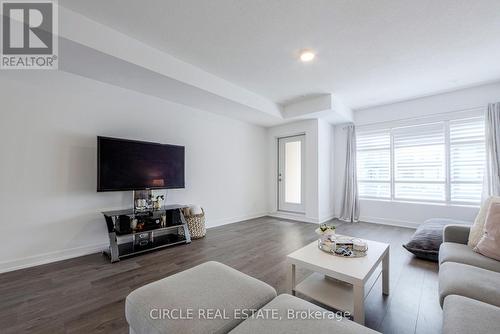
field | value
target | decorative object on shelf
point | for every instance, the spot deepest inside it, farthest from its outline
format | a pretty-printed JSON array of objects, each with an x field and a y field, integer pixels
[
  {"x": 327, "y": 245},
  {"x": 142, "y": 200},
  {"x": 158, "y": 202},
  {"x": 141, "y": 204},
  {"x": 343, "y": 246},
  {"x": 359, "y": 245},
  {"x": 195, "y": 223},
  {"x": 343, "y": 241},
  {"x": 133, "y": 224},
  {"x": 344, "y": 251}
]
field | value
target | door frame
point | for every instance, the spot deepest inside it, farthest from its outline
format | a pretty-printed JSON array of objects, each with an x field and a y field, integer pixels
[{"x": 282, "y": 206}]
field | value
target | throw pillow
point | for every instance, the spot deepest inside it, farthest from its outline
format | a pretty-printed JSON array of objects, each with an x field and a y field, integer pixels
[
  {"x": 489, "y": 244},
  {"x": 477, "y": 228}
]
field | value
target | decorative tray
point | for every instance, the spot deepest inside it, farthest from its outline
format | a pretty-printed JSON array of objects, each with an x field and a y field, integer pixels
[
  {"x": 348, "y": 252},
  {"x": 354, "y": 253}
]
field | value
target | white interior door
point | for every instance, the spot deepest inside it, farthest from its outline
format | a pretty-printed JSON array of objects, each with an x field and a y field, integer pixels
[{"x": 291, "y": 186}]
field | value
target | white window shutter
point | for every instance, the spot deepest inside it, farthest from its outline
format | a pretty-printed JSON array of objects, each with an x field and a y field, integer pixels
[
  {"x": 436, "y": 162},
  {"x": 374, "y": 164},
  {"x": 467, "y": 159},
  {"x": 420, "y": 162}
]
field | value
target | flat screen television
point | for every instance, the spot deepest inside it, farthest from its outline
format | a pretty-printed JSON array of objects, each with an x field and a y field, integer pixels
[{"x": 135, "y": 165}]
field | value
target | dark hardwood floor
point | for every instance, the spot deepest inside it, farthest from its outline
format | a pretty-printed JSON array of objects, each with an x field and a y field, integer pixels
[{"x": 86, "y": 294}]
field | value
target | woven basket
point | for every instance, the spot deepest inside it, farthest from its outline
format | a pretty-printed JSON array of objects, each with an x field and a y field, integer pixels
[{"x": 196, "y": 225}]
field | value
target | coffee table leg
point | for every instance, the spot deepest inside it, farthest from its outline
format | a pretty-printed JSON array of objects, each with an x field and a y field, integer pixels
[
  {"x": 292, "y": 280},
  {"x": 359, "y": 304},
  {"x": 385, "y": 274}
]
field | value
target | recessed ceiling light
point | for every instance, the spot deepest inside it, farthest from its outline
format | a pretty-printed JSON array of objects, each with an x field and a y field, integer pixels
[{"x": 307, "y": 55}]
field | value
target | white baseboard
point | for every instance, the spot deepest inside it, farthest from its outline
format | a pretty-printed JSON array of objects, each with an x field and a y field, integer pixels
[
  {"x": 225, "y": 221},
  {"x": 301, "y": 218},
  {"x": 392, "y": 222},
  {"x": 36, "y": 260},
  {"x": 293, "y": 216}
]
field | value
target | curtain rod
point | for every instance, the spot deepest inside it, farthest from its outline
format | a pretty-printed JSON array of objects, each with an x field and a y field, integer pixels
[{"x": 426, "y": 116}]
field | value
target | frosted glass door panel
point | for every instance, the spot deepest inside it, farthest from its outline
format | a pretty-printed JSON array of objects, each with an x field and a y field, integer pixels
[
  {"x": 291, "y": 174},
  {"x": 293, "y": 167}
]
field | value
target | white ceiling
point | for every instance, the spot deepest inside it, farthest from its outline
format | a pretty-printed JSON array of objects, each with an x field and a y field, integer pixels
[{"x": 368, "y": 52}]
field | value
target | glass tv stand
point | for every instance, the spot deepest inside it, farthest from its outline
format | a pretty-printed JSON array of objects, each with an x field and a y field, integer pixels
[{"x": 134, "y": 232}]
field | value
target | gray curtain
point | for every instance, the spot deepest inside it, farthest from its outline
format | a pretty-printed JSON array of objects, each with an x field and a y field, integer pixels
[
  {"x": 350, "y": 202},
  {"x": 492, "y": 175}
]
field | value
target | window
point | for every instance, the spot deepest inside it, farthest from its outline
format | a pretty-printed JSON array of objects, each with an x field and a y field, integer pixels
[
  {"x": 419, "y": 162},
  {"x": 467, "y": 160},
  {"x": 436, "y": 162},
  {"x": 374, "y": 164}
]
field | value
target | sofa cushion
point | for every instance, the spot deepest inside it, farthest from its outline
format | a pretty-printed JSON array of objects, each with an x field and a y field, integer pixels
[
  {"x": 452, "y": 252},
  {"x": 297, "y": 324},
  {"x": 211, "y": 285},
  {"x": 469, "y": 281},
  {"x": 426, "y": 240},
  {"x": 463, "y": 315},
  {"x": 477, "y": 228},
  {"x": 489, "y": 245}
]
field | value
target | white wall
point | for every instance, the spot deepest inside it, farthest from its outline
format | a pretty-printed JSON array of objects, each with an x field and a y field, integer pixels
[
  {"x": 49, "y": 121},
  {"x": 326, "y": 171},
  {"x": 411, "y": 214},
  {"x": 458, "y": 100}
]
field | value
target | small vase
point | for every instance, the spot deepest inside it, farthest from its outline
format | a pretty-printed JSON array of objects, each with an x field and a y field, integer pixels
[{"x": 133, "y": 224}]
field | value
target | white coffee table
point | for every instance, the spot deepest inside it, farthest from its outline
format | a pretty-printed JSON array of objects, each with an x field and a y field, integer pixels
[{"x": 340, "y": 282}]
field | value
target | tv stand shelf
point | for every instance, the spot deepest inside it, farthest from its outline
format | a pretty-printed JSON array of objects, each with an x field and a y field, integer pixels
[{"x": 133, "y": 232}]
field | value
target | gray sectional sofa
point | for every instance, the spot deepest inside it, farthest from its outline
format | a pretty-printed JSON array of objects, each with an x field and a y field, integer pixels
[
  {"x": 469, "y": 286},
  {"x": 212, "y": 287}
]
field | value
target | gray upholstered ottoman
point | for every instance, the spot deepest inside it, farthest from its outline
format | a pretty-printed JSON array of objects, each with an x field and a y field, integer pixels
[
  {"x": 293, "y": 316},
  {"x": 209, "y": 286}
]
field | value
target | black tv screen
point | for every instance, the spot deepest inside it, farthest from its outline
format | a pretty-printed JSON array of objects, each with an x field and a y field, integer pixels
[{"x": 134, "y": 165}]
